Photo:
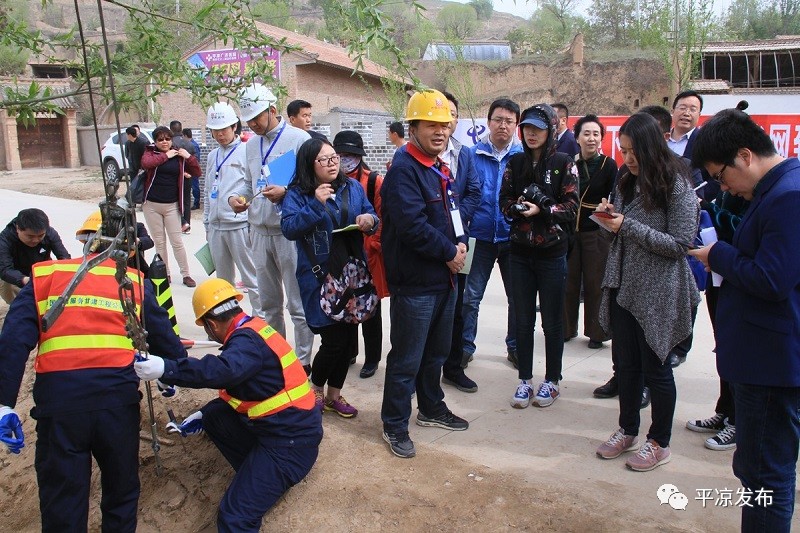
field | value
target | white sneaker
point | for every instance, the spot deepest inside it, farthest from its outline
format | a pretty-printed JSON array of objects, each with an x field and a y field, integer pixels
[
  {"x": 522, "y": 397},
  {"x": 546, "y": 395}
]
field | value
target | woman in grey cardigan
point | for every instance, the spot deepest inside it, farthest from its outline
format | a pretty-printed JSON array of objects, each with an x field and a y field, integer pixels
[{"x": 648, "y": 289}]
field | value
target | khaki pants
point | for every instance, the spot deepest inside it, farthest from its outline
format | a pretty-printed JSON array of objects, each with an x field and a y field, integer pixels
[
  {"x": 164, "y": 221},
  {"x": 8, "y": 291}
]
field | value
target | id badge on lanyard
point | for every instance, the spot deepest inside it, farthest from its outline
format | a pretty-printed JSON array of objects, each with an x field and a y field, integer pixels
[
  {"x": 455, "y": 213},
  {"x": 261, "y": 182}
]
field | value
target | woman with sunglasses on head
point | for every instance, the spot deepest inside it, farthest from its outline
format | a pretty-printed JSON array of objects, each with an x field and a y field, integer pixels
[
  {"x": 648, "y": 288},
  {"x": 586, "y": 261},
  {"x": 163, "y": 196},
  {"x": 320, "y": 199}
]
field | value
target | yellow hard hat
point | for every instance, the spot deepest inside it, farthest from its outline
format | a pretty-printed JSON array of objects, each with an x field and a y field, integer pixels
[
  {"x": 428, "y": 105},
  {"x": 210, "y": 294},
  {"x": 91, "y": 224}
]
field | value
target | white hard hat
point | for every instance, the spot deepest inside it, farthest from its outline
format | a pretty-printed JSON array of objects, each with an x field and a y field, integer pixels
[
  {"x": 254, "y": 99},
  {"x": 221, "y": 115}
]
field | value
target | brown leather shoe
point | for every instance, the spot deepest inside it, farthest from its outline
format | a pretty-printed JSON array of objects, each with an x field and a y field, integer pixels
[{"x": 189, "y": 282}]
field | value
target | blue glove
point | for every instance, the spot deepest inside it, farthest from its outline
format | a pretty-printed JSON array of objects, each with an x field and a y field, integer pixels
[
  {"x": 167, "y": 391},
  {"x": 192, "y": 425},
  {"x": 148, "y": 369},
  {"x": 11, "y": 430}
]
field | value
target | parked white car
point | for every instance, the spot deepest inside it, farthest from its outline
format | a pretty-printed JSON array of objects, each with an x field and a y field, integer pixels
[{"x": 112, "y": 153}]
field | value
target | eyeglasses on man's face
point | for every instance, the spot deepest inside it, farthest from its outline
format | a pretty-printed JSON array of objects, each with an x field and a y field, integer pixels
[
  {"x": 718, "y": 175},
  {"x": 328, "y": 161},
  {"x": 503, "y": 121}
]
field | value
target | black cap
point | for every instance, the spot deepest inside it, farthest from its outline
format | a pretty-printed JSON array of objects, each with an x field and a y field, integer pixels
[{"x": 349, "y": 142}]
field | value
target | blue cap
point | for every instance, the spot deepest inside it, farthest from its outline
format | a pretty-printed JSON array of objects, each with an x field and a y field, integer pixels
[{"x": 535, "y": 118}]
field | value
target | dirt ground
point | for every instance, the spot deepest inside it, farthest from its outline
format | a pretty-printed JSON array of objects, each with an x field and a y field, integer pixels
[{"x": 356, "y": 485}]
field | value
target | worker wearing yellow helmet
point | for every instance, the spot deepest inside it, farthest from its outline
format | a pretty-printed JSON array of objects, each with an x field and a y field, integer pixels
[
  {"x": 424, "y": 246},
  {"x": 264, "y": 421}
]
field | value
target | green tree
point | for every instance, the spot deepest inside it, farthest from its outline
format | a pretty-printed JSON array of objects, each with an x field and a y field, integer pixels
[
  {"x": 762, "y": 19},
  {"x": 457, "y": 21},
  {"x": 150, "y": 63},
  {"x": 275, "y": 12},
  {"x": 13, "y": 60},
  {"x": 695, "y": 20},
  {"x": 562, "y": 11},
  {"x": 612, "y": 21},
  {"x": 483, "y": 8}
]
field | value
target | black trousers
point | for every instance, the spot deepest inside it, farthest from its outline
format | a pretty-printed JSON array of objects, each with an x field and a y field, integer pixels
[
  {"x": 64, "y": 449},
  {"x": 335, "y": 351},
  {"x": 636, "y": 361},
  {"x": 725, "y": 404}
]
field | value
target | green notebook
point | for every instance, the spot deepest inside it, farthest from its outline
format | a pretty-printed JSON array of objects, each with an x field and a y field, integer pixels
[{"x": 204, "y": 256}]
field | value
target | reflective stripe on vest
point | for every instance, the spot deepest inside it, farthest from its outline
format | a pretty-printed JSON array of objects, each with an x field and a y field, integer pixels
[
  {"x": 296, "y": 392},
  {"x": 90, "y": 333}
]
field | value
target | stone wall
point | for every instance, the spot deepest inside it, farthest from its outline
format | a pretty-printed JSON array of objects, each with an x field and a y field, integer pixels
[{"x": 603, "y": 88}]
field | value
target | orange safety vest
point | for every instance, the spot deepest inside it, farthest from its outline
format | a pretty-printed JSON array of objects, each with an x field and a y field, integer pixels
[
  {"x": 296, "y": 391},
  {"x": 90, "y": 333}
]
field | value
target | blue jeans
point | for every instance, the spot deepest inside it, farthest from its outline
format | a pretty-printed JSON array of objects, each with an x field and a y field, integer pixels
[
  {"x": 486, "y": 253},
  {"x": 420, "y": 335},
  {"x": 547, "y": 277},
  {"x": 196, "y": 191},
  {"x": 767, "y": 437}
]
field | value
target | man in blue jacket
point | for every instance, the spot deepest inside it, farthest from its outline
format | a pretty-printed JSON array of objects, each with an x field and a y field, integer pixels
[
  {"x": 758, "y": 311},
  {"x": 489, "y": 227},
  {"x": 424, "y": 246}
]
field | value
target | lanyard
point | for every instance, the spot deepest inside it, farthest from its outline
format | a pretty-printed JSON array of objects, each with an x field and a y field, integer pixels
[
  {"x": 219, "y": 165},
  {"x": 271, "y": 145},
  {"x": 446, "y": 187}
]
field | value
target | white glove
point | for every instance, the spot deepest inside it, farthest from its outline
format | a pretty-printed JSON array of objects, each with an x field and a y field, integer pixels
[
  {"x": 149, "y": 369},
  {"x": 192, "y": 425}
]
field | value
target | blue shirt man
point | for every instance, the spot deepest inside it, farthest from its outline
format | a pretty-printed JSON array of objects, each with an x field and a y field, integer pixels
[{"x": 489, "y": 226}]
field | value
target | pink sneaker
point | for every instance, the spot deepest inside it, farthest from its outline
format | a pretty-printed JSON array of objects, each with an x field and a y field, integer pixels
[
  {"x": 240, "y": 286},
  {"x": 341, "y": 407},
  {"x": 617, "y": 444},
  {"x": 649, "y": 457}
]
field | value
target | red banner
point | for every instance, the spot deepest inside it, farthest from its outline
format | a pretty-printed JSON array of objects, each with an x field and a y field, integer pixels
[{"x": 783, "y": 129}]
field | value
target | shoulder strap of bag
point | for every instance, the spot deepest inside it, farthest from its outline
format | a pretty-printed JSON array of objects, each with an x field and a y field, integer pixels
[{"x": 371, "y": 179}]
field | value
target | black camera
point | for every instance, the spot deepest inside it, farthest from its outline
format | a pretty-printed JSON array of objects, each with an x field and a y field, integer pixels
[{"x": 536, "y": 196}]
